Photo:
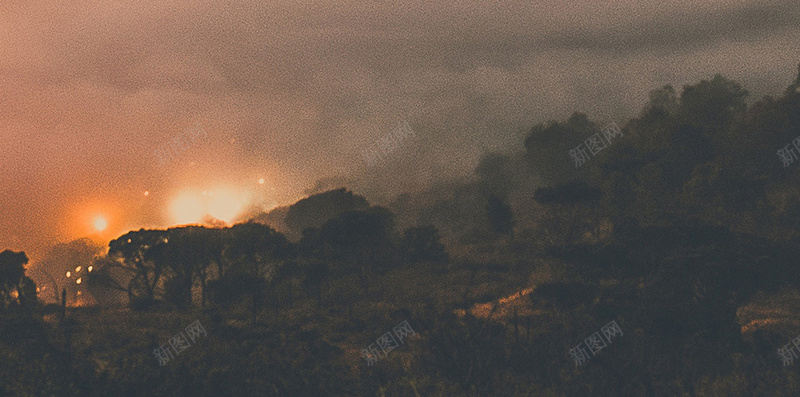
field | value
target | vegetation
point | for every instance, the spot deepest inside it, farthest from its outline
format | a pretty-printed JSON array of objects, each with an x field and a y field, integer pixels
[{"x": 683, "y": 231}]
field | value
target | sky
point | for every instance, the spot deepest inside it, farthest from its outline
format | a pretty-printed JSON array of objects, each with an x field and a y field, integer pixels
[{"x": 152, "y": 113}]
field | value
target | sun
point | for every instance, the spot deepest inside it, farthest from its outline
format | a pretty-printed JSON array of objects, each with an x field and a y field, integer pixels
[{"x": 100, "y": 223}]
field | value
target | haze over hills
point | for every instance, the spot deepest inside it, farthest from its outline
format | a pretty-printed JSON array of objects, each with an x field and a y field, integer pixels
[
  {"x": 94, "y": 95},
  {"x": 338, "y": 198}
]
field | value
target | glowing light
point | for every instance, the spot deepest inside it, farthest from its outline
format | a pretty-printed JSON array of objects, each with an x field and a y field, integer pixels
[
  {"x": 146, "y": 194},
  {"x": 261, "y": 181},
  {"x": 69, "y": 274},
  {"x": 89, "y": 269},
  {"x": 77, "y": 269},
  {"x": 187, "y": 208},
  {"x": 225, "y": 206},
  {"x": 221, "y": 203},
  {"x": 100, "y": 223},
  {"x": 78, "y": 281}
]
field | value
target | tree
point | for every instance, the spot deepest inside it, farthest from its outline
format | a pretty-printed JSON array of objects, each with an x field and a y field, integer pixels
[
  {"x": 570, "y": 204},
  {"x": 235, "y": 288},
  {"x": 547, "y": 149},
  {"x": 317, "y": 274},
  {"x": 287, "y": 273},
  {"x": 311, "y": 244},
  {"x": 423, "y": 243},
  {"x": 663, "y": 101},
  {"x": 361, "y": 240},
  {"x": 712, "y": 104},
  {"x": 67, "y": 257},
  {"x": 454, "y": 212},
  {"x": 16, "y": 289},
  {"x": 501, "y": 218},
  {"x": 315, "y": 210},
  {"x": 130, "y": 253},
  {"x": 256, "y": 249},
  {"x": 188, "y": 253},
  {"x": 108, "y": 283}
]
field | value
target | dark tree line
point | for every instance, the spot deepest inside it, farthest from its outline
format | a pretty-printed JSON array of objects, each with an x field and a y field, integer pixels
[{"x": 254, "y": 262}]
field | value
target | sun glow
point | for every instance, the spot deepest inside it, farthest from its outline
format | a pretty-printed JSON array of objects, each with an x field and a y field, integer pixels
[
  {"x": 100, "y": 223},
  {"x": 221, "y": 204},
  {"x": 225, "y": 206},
  {"x": 187, "y": 208}
]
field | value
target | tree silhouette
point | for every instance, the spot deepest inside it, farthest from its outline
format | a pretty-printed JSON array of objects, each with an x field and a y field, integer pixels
[
  {"x": 360, "y": 239},
  {"x": 712, "y": 104},
  {"x": 188, "y": 253},
  {"x": 423, "y": 243},
  {"x": 237, "y": 288},
  {"x": 571, "y": 204},
  {"x": 501, "y": 218},
  {"x": 317, "y": 274},
  {"x": 256, "y": 249},
  {"x": 287, "y": 273},
  {"x": 315, "y": 210},
  {"x": 130, "y": 253},
  {"x": 547, "y": 147},
  {"x": 16, "y": 289}
]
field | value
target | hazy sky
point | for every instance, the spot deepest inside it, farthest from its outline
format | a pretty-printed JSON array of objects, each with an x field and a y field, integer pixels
[{"x": 293, "y": 91}]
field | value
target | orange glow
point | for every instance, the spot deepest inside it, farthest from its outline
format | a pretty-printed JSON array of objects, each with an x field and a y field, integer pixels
[
  {"x": 225, "y": 206},
  {"x": 97, "y": 217},
  {"x": 78, "y": 281},
  {"x": 100, "y": 223},
  {"x": 222, "y": 204},
  {"x": 187, "y": 208}
]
